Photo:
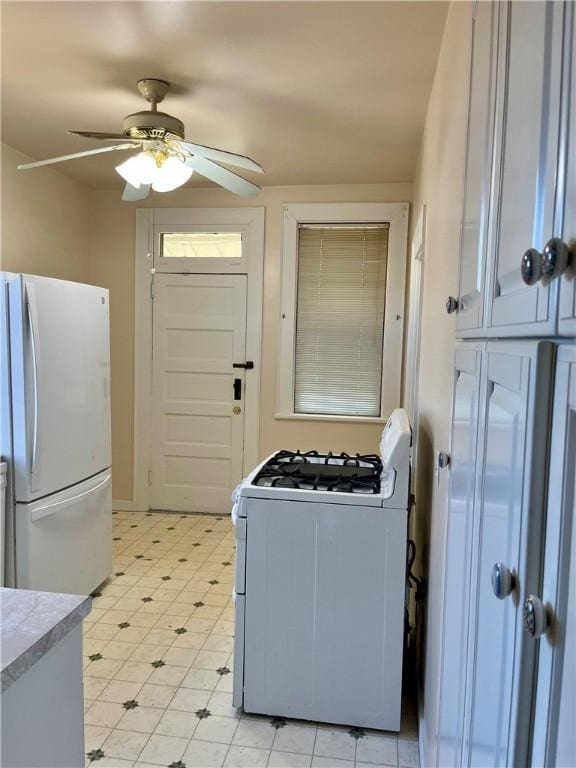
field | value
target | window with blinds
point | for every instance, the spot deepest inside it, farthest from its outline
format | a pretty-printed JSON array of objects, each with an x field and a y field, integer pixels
[{"x": 341, "y": 292}]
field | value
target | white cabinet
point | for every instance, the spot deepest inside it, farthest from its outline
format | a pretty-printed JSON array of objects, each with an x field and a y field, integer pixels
[
  {"x": 554, "y": 718},
  {"x": 519, "y": 186},
  {"x": 525, "y": 159},
  {"x": 501, "y": 657},
  {"x": 461, "y": 516},
  {"x": 494, "y": 535},
  {"x": 478, "y": 162},
  {"x": 567, "y": 301}
]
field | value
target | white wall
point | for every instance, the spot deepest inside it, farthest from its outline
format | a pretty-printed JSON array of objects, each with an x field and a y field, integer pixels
[
  {"x": 439, "y": 185},
  {"x": 45, "y": 221},
  {"x": 112, "y": 265}
]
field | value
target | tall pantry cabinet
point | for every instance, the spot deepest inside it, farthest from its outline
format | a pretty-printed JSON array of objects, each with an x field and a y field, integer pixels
[{"x": 508, "y": 683}]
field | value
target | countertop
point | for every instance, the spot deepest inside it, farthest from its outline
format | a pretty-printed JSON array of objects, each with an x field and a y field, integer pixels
[{"x": 31, "y": 623}]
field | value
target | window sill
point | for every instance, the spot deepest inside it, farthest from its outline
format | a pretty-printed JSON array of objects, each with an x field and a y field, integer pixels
[{"x": 322, "y": 417}]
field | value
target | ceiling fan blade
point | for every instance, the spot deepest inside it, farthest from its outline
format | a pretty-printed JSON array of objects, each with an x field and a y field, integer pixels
[
  {"x": 135, "y": 193},
  {"x": 224, "y": 157},
  {"x": 62, "y": 158},
  {"x": 97, "y": 135},
  {"x": 222, "y": 176}
]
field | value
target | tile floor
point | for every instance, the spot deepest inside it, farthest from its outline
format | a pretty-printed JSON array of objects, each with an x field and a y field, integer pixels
[{"x": 158, "y": 656}]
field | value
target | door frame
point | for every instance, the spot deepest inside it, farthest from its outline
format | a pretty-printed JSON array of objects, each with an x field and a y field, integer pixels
[
  {"x": 252, "y": 222},
  {"x": 414, "y": 329}
]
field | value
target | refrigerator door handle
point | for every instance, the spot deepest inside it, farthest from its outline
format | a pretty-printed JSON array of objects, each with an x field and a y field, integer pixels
[
  {"x": 33, "y": 324},
  {"x": 48, "y": 509}
]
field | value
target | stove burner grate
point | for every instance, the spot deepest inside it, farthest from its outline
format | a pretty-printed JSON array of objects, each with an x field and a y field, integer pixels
[{"x": 315, "y": 471}]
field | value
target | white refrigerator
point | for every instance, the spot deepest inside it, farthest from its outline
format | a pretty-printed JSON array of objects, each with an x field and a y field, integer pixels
[{"x": 56, "y": 434}]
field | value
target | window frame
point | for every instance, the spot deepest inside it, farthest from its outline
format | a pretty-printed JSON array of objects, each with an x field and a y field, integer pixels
[{"x": 396, "y": 216}]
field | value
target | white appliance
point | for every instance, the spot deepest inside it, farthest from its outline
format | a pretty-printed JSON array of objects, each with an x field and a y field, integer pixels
[
  {"x": 56, "y": 373},
  {"x": 320, "y": 584}
]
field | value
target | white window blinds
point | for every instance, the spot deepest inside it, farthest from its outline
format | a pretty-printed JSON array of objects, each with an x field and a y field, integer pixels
[{"x": 341, "y": 290}]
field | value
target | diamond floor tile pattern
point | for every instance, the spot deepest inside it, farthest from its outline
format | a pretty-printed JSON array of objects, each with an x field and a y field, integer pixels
[{"x": 158, "y": 662}]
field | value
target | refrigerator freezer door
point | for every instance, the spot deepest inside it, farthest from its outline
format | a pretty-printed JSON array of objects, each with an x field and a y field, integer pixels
[
  {"x": 64, "y": 541},
  {"x": 60, "y": 363}
]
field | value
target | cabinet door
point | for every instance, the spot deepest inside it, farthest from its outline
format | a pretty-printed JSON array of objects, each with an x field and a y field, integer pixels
[
  {"x": 478, "y": 161},
  {"x": 567, "y": 303},
  {"x": 459, "y": 537},
  {"x": 554, "y": 731},
  {"x": 501, "y": 656},
  {"x": 527, "y": 128}
]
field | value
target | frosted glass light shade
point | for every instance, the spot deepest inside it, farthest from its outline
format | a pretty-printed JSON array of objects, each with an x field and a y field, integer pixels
[
  {"x": 172, "y": 174},
  {"x": 138, "y": 169}
]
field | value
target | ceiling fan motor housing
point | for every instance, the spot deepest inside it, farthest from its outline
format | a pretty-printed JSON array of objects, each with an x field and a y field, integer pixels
[{"x": 153, "y": 125}]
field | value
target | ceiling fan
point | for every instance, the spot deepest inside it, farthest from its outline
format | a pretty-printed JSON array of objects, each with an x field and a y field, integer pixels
[{"x": 164, "y": 161}]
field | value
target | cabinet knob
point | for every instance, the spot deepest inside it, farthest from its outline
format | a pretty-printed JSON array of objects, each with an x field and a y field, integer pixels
[
  {"x": 535, "y": 616},
  {"x": 443, "y": 459},
  {"x": 531, "y": 266},
  {"x": 503, "y": 581},
  {"x": 545, "y": 266},
  {"x": 555, "y": 259},
  {"x": 451, "y": 304}
]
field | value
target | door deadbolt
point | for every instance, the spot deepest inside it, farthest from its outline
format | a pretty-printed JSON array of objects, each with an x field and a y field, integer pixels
[{"x": 236, "y": 410}]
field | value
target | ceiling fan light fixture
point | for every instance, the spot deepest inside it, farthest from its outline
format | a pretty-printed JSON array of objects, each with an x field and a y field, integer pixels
[
  {"x": 165, "y": 161},
  {"x": 173, "y": 173},
  {"x": 139, "y": 169}
]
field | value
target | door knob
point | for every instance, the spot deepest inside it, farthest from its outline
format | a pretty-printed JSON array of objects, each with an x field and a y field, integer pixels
[
  {"x": 451, "y": 304},
  {"x": 503, "y": 581},
  {"x": 545, "y": 266},
  {"x": 535, "y": 616}
]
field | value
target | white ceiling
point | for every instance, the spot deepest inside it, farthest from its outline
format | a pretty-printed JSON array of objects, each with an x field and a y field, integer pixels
[{"x": 317, "y": 92}]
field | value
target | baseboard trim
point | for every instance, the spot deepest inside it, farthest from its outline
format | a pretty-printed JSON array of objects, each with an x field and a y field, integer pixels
[{"x": 123, "y": 505}]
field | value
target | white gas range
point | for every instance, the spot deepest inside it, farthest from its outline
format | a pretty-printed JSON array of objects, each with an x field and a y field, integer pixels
[{"x": 320, "y": 584}]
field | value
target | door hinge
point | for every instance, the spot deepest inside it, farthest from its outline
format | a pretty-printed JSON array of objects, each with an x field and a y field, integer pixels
[
  {"x": 152, "y": 287},
  {"x": 149, "y": 477}
]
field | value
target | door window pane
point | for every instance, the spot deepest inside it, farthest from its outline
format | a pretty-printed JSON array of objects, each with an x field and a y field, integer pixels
[{"x": 201, "y": 245}]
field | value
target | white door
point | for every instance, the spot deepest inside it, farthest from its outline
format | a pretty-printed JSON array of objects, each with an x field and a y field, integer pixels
[
  {"x": 199, "y": 333},
  {"x": 501, "y": 656},
  {"x": 60, "y": 365},
  {"x": 459, "y": 537},
  {"x": 478, "y": 162},
  {"x": 527, "y": 135},
  {"x": 554, "y": 718}
]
